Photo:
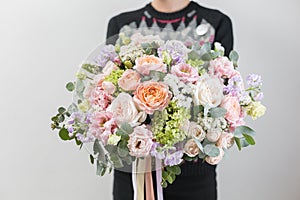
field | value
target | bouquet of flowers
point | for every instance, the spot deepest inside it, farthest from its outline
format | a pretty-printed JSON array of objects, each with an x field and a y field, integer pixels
[{"x": 171, "y": 101}]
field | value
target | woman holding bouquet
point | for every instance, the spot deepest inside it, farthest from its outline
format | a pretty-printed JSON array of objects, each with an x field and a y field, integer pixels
[{"x": 197, "y": 179}]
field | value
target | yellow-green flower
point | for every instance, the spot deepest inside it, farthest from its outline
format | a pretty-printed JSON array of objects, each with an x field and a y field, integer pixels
[
  {"x": 255, "y": 110},
  {"x": 114, "y": 76},
  {"x": 113, "y": 139},
  {"x": 84, "y": 106},
  {"x": 80, "y": 75}
]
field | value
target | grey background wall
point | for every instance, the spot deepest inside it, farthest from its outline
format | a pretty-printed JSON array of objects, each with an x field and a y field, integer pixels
[{"x": 43, "y": 42}]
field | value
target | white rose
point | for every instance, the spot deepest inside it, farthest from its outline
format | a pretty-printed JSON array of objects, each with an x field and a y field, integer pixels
[
  {"x": 209, "y": 92},
  {"x": 196, "y": 131},
  {"x": 213, "y": 135},
  {"x": 124, "y": 110}
]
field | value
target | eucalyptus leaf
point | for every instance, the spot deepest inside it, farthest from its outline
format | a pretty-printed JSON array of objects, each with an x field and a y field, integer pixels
[
  {"x": 64, "y": 134},
  {"x": 240, "y": 130},
  {"x": 125, "y": 129},
  {"x": 198, "y": 144},
  {"x": 211, "y": 150},
  {"x": 193, "y": 55},
  {"x": 238, "y": 143},
  {"x": 156, "y": 75},
  {"x": 61, "y": 110},
  {"x": 99, "y": 151},
  {"x": 196, "y": 110},
  {"x": 233, "y": 56},
  {"x": 217, "y": 112},
  {"x": 70, "y": 86}
]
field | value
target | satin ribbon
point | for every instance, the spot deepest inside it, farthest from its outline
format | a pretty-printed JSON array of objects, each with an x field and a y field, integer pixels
[
  {"x": 159, "y": 179},
  {"x": 148, "y": 180}
]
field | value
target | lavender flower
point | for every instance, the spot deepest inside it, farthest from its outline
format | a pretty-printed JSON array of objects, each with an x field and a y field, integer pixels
[
  {"x": 107, "y": 53},
  {"x": 75, "y": 116},
  {"x": 155, "y": 153},
  {"x": 259, "y": 96},
  {"x": 174, "y": 158},
  {"x": 176, "y": 50},
  {"x": 84, "y": 139},
  {"x": 254, "y": 80},
  {"x": 235, "y": 86}
]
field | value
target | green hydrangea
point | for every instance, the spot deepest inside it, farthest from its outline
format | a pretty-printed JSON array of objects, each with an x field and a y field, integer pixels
[
  {"x": 198, "y": 64},
  {"x": 166, "y": 124},
  {"x": 114, "y": 76}
]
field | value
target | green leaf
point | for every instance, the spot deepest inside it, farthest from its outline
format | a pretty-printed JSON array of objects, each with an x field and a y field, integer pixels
[
  {"x": 233, "y": 56},
  {"x": 211, "y": 150},
  {"x": 93, "y": 69},
  {"x": 205, "y": 49},
  {"x": 70, "y": 86},
  {"x": 200, "y": 146},
  {"x": 64, "y": 134},
  {"x": 61, "y": 110},
  {"x": 249, "y": 139},
  {"x": 92, "y": 159},
  {"x": 80, "y": 87},
  {"x": 238, "y": 143},
  {"x": 170, "y": 179},
  {"x": 196, "y": 110},
  {"x": 206, "y": 57},
  {"x": 174, "y": 169},
  {"x": 217, "y": 112},
  {"x": 123, "y": 149},
  {"x": 240, "y": 130},
  {"x": 125, "y": 129},
  {"x": 193, "y": 55},
  {"x": 156, "y": 75},
  {"x": 99, "y": 151},
  {"x": 164, "y": 184}
]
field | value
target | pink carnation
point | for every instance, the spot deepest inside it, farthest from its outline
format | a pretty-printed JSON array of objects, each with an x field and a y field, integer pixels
[
  {"x": 102, "y": 125},
  {"x": 140, "y": 142},
  {"x": 222, "y": 67},
  {"x": 185, "y": 72}
]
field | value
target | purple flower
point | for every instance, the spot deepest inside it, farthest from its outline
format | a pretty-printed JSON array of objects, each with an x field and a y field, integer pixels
[
  {"x": 157, "y": 154},
  {"x": 235, "y": 86},
  {"x": 75, "y": 116},
  {"x": 107, "y": 53},
  {"x": 259, "y": 96},
  {"x": 176, "y": 49},
  {"x": 70, "y": 129},
  {"x": 84, "y": 139},
  {"x": 254, "y": 80},
  {"x": 174, "y": 158}
]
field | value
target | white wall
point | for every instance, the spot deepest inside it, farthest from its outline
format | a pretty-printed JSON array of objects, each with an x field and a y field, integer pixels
[{"x": 43, "y": 42}]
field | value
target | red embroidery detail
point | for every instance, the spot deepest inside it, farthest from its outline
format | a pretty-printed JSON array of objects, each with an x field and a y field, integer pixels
[{"x": 169, "y": 20}]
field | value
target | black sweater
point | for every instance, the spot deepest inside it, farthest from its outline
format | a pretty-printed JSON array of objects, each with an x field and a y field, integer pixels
[
  {"x": 222, "y": 30},
  {"x": 219, "y": 22}
]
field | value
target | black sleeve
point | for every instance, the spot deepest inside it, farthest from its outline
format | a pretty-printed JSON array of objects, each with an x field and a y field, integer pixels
[
  {"x": 224, "y": 34},
  {"x": 112, "y": 30}
]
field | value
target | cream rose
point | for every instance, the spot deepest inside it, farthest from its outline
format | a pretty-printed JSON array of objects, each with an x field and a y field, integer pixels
[
  {"x": 147, "y": 63},
  {"x": 140, "y": 142},
  {"x": 213, "y": 134},
  {"x": 215, "y": 160},
  {"x": 109, "y": 67},
  {"x": 124, "y": 110},
  {"x": 196, "y": 131},
  {"x": 129, "y": 80},
  {"x": 209, "y": 92},
  {"x": 191, "y": 149},
  {"x": 151, "y": 96},
  {"x": 225, "y": 141},
  {"x": 255, "y": 110}
]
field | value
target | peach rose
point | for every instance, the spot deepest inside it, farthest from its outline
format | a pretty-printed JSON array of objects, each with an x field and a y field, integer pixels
[
  {"x": 190, "y": 148},
  {"x": 147, "y": 63},
  {"x": 215, "y": 160},
  {"x": 150, "y": 96},
  {"x": 140, "y": 142},
  {"x": 234, "y": 113},
  {"x": 129, "y": 80},
  {"x": 225, "y": 141}
]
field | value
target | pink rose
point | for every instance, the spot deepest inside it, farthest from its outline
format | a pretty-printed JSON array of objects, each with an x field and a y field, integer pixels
[
  {"x": 102, "y": 125},
  {"x": 129, "y": 80},
  {"x": 215, "y": 160},
  {"x": 185, "y": 72},
  {"x": 147, "y": 63},
  {"x": 140, "y": 142},
  {"x": 213, "y": 135},
  {"x": 222, "y": 67},
  {"x": 234, "y": 114},
  {"x": 108, "y": 87},
  {"x": 150, "y": 96},
  {"x": 191, "y": 149},
  {"x": 225, "y": 141},
  {"x": 109, "y": 67}
]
